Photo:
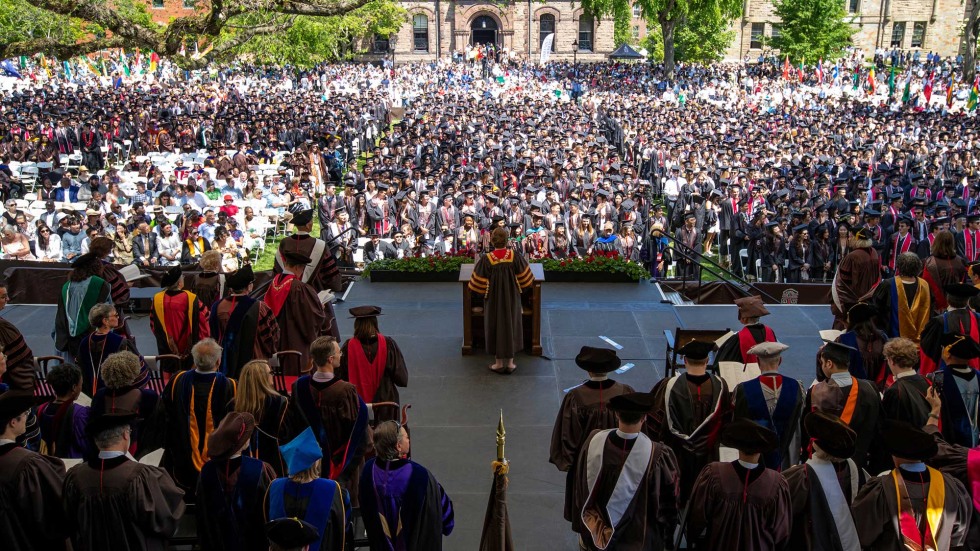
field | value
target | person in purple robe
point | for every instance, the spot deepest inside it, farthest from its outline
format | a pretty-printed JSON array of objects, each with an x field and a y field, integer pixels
[
  {"x": 403, "y": 506},
  {"x": 63, "y": 420}
]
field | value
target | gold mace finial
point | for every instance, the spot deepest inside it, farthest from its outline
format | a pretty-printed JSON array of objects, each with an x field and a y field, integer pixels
[{"x": 501, "y": 437}]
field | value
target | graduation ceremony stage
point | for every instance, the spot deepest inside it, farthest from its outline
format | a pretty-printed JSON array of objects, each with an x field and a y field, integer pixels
[{"x": 456, "y": 400}]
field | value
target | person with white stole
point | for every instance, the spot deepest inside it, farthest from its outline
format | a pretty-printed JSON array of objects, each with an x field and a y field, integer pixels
[
  {"x": 823, "y": 488},
  {"x": 912, "y": 506},
  {"x": 625, "y": 485}
]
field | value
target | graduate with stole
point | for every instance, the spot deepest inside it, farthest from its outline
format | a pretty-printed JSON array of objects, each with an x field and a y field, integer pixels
[
  {"x": 774, "y": 401},
  {"x": 855, "y": 401},
  {"x": 321, "y": 272},
  {"x": 243, "y": 326},
  {"x": 625, "y": 488},
  {"x": 321, "y": 502},
  {"x": 372, "y": 362},
  {"x": 912, "y": 506},
  {"x": 689, "y": 411},
  {"x": 736, "y": 348},
  {"x": 583, "y": 410},
  {"x": 299, "y": 313},
  {"x": 903, "y": 303},
  {"x": 823, "y": 488}
]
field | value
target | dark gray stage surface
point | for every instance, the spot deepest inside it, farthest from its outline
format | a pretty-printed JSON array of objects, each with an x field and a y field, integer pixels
[{"x": 455, "y": 399}]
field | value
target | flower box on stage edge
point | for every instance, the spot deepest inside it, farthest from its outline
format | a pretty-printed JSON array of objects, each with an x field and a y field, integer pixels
[{"x": 597, "y": 268}]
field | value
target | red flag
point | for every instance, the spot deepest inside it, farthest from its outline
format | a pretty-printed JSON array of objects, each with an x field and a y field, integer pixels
[
  {"x": 927, "y": 89},
  {"x": 786, "y": 69}
]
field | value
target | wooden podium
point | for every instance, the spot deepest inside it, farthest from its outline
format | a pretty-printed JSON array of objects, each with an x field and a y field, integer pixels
[{"x": 473, "y": 333}]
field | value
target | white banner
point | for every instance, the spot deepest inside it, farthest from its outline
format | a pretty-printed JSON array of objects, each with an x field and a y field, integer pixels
[{"x": 546, "y": 48}]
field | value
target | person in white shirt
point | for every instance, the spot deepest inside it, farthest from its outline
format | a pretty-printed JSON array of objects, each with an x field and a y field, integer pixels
[
  {"x": 168, "y": 245},
  {"x": 48, "y": 245}
]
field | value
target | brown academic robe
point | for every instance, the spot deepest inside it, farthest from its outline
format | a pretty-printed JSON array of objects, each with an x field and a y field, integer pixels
[
  {"x": 31, "y": 514},
  {"x": 857, "y": 274},
  {"x": 650, "y": 510},
  {"x": 690, "y": 426},
  {"x": 325, "y": 274},
  {"x": 266, "y": 333},
  {"x": 733, "y": 516},
  {"x": 20, "y": 358},
  {"x": 208, "y": 286},
  {"x": 302, "y": 318},
  {"x": 814, "y": 528},
  {"x": 500, "y": 278},
  {"x": 121, "y": 504},
  {"x": 828, "y": 397},
  {"x": 875, "y": 512},
  {"x": 395, "y": 375},
  {"x": 582, "y": 411}
]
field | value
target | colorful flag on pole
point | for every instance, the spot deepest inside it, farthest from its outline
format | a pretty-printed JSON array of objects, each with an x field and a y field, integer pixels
[
  {"x": 23, "y": 62},
  {"x": 949, "y": 93},
  {"x": 800, "y": 71},
  {"x": 836, "y": 74},
  {"x": 971, "y": 103},
  {"x": 67, "y": 70},
  {"x": 44, "y": 64},
  {"x": 871, "y": 81},
  {"x": 786, "y": 69},
  {"x": 122, "y": 61},
  {"x": 927, "y": 88},
  {"x": 8, "y": 67},
  {"x": 819, "y": 71},
  {"x": 154, "y": 59},
  {"x": 857, "y": 78},
  {"x": 891, "y": 82},
  {"x": 138, "y": 62},
  {"x": 907, "y": 94}
]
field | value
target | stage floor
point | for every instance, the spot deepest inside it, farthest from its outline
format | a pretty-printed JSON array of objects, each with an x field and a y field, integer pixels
[{"x": 456, "y": 400}]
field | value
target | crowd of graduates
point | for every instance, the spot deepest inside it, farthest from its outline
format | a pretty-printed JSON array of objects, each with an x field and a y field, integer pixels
[{"x": 785, "y": 180}]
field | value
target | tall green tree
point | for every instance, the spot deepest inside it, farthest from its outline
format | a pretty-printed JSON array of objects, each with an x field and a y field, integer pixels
[
  {"x": 703, "y": 40},
  {"x": 622, "y": 23},
  {"x": 812, "y": 29},
  {"x": 670, "y": 16},
  {"x": 227, "y": 25}
]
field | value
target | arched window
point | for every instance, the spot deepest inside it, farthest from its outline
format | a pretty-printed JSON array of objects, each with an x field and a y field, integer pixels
[
  {"x": 546, "y": 26},
  {"x": 420, "y": 27},
  {"x": 585, "y": 26}
]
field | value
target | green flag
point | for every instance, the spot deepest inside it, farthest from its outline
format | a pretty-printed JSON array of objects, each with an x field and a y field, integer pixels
[
  {"x": 122, "y": 61},
  {"x": 891, "y": 82},
  {"x": 971, "y": 102},
  {"x": 23, "y": 62},
  {"x": 857, "y": 79},
  {"x": 907, "y": 94}
]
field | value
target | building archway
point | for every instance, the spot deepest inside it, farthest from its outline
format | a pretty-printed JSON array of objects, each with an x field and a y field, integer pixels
[{"x": 484, "y": 30}]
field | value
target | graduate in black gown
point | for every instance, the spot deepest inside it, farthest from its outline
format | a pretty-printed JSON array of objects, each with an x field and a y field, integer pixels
[
  {"x": 823, "y": 488},
  {"x": 688, "y": 413},
  {"x": 736, "y": 348},
  {"x": 231, "y": 489},
  {"x": 905, "y": 400}
]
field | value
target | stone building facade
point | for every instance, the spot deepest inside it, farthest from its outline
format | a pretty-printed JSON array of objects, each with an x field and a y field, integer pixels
[
  {"x": 437, "y": 28},
  {"x": 927, "y": 25}
]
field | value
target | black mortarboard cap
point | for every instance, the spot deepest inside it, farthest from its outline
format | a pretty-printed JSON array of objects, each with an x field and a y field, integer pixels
[
  {"x": 907, "y": 441},
  {"x": 748, "y": 436},
  {"x": 303, "y": 217},
  {"x": 291, "y": 533},
  {"x": 697, "y": 350},
  {"x": 634, "y": 402}
]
